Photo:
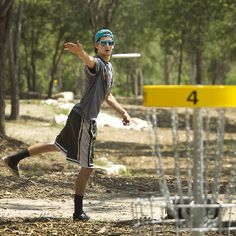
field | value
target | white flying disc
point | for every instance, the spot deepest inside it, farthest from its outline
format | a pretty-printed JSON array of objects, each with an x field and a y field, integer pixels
[{"x": 126, "y": 55}]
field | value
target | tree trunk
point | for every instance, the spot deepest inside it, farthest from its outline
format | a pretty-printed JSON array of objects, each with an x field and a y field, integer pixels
[
  {"x": 128, "y": 87},
  {"x": 180, "y": 64},
  {"x": 33, "y": 59},
  {"x": 198, "y": 78},
  {"x": 27, "y": 66},
  {"x": 213, "y": 71},
  {"x": 136, "y": 83},
  {"x": 192, "y": 68},
  {"x": 5, "y": 25},
  {"x": 166, "y": 68},
  {"x": 14, "y": 55},
  {"x": 33, "y": 68},
  {"x": 140, "y": 82},
  {"x": 55, "y": 60}
]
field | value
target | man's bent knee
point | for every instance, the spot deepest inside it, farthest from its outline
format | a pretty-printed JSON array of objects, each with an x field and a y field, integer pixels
[
  {"x": 86, "y": 171},
  {"x": 53, "y": 147}
]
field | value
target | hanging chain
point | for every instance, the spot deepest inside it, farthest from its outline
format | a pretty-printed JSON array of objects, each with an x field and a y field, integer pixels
[
  {"x": 188, "y": 153},
  {"x": 206, "y": 150},
  {"x": 175, "y": 138},
  {"x": 219, "y": 152},
  {"x": 159, "y": 164}
]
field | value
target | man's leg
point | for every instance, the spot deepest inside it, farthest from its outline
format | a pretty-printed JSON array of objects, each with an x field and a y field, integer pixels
[
  {"x": 80, "y": 186},
  {"x": 40, "y": 148},
  {"x": 12, "y": 161}
]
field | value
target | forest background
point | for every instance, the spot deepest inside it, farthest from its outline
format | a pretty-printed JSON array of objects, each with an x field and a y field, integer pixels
[{"x": 180, "y": 42}]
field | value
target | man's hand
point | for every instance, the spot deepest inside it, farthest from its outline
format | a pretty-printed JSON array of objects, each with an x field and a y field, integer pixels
[
  {"x": 126, "y": 119},
  {"x": 75, "y": 48}
]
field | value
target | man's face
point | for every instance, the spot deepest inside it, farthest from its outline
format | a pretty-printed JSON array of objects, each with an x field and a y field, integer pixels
[{"x": 105, "y": 46}]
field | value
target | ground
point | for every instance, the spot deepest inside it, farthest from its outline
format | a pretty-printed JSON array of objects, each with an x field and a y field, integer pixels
[
  {"x": 49, "y": 178},
  {"x": 41, "y": 202}
]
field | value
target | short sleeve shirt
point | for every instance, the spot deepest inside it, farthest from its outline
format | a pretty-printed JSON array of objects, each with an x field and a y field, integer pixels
[{"x": 98, "y": 83}]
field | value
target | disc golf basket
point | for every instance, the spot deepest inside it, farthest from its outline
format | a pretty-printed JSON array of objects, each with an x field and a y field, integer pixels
[{"x": 196, "y": 168}]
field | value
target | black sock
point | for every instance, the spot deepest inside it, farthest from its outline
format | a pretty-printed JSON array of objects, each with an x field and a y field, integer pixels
[
  {"x": 78, "y": 201},
  {"x": 19, "y": 156}
]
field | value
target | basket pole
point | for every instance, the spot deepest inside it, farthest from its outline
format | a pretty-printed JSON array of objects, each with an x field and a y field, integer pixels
[{"x": 198, "y": 172}]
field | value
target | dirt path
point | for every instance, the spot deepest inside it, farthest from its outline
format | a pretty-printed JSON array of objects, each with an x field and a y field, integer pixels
[
  {"x": 113, "y": 209},
  {"x": 108, "y": 199}
]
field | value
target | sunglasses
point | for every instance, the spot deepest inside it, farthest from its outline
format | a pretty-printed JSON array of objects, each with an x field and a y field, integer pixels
[{"x": 106, "y": 43}]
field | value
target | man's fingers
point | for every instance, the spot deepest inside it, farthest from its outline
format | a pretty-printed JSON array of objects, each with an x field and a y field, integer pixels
[
  {"x": 126, "y": 122},
  {"x": 69, "y": 44},
  {"x": 74, "y": 48},
  {"x": 72, "y": 45}
]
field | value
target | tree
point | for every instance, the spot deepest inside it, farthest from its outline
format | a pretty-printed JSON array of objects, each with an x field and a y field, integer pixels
[
  {"x": 186, "y": 29},
  {"x": 130, "y": 26},
  {"x": 101, "y": 13},
  {"x": 14, "y": 46},
  {"x": 35, "y": 26},
  {"x": 5, "y": 26},
  {"x": 173, "y": 36},
  {"x": 221, "y": 48},
  {"x": 63, "y": 17}
]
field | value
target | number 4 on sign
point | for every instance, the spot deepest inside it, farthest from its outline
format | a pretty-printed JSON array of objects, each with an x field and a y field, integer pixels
[{"x": 193, "y": 97}]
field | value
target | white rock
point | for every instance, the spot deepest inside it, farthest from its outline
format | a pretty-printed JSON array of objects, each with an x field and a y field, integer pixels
[
  {"x": 60, "y": 119},
  {"x": 50, "y": 102},
  {"x": 64, "y": 96},
  {"x": 110, "y": 168},
  {"x": 111, "y": 121},
  {"x": 66, "y": 106}
]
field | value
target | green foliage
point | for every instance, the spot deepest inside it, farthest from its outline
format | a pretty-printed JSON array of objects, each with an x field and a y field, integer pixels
[
  {"x": 231, "y": 78},
  {"x": 152, "y": 63},
  {"x": 167, "y": 33}
]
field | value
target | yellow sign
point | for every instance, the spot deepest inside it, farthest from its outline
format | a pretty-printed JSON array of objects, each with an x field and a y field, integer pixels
[{"x": 189, "y": 96}]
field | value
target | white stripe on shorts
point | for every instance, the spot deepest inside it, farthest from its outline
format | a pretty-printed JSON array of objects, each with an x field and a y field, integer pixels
[{"x": 85, "y": 142}]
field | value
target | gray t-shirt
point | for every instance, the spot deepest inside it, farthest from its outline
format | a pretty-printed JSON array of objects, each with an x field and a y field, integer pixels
[{"x": 98, "y": 83}]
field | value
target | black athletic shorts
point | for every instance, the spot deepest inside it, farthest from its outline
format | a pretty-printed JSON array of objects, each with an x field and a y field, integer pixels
[{"x": 77, "y": 139}]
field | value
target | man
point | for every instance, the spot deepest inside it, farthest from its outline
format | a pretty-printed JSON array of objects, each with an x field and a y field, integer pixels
[{"x": 77, "y": 138}]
